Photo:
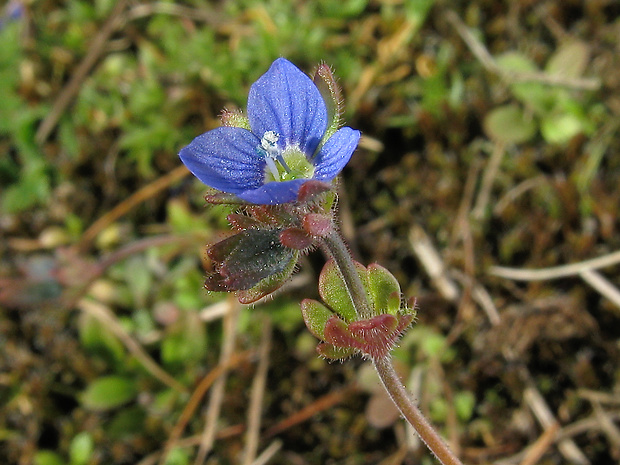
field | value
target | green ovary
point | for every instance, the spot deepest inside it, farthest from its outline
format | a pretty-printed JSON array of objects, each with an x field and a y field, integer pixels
[{"x": 297, "y": 167}]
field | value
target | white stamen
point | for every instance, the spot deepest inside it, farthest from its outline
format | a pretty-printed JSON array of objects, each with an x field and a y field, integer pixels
[
  {"x": 269, "y": 143},
  {"x": 271, "y": 164}
]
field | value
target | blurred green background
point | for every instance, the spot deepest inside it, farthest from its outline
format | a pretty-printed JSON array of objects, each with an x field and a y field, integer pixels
[{"x": 490, "y": 137}]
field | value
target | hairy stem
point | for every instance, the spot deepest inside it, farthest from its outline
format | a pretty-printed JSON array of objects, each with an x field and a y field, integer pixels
[
  {"x": 334, "y": 247},
  {"x": 412, "y": 413}
]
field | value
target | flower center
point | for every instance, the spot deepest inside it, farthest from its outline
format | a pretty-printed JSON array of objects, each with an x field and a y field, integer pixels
[{"x": 283, "y": 165}]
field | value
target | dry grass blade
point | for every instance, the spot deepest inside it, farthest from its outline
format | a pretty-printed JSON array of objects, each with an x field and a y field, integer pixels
[
  {"x": 545, "y": 417},
  {"x": 134, "y": 200},
  {"x": 217, "y": 394},
  {"x": 433, "y": 264},
  {"x": 602, "y": 285},
  {"x": 480, "y": 295},
  {"x": 257, "y": 395},
  {"x": 194, "y": 402},
  {"x": 607, "y": 426},
  {"x": 522, "y": 274},
  {"x": 268, "y": 453},
  {"x": 542, "y": 444}
]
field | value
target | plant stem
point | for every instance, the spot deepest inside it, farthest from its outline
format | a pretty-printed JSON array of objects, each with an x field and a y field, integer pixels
[
  {"x": 334, "y": 247},
  {"x": 412, "y": 413}
]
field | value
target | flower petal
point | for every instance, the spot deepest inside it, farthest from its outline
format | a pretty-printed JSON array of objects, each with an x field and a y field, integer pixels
[
  {"x": 336, "y": 153},
  {"x": 286, "y": 101},
  {"x": 225, "y": 158},
  {"x": 273, "y": 193}
]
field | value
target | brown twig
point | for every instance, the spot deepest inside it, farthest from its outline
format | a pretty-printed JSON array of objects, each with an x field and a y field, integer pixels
[
  {"x": 195, "y": 399},
  {"x": 323, "y": 403},
  {"x": 542, "y": 444}
]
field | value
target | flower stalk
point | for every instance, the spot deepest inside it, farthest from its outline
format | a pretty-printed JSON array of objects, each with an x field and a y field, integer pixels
[
  {"x": 401, "y": 398},
  {"x": 335, "y": 248}
]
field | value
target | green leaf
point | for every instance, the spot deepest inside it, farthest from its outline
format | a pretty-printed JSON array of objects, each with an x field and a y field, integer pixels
[
  {"x": 559, "y": 128},
  {"x": 464, "y": 403},
  {"x": 250, "y": 258},
  {"x": 334, "y": 353},
  {"x": 438, "y": 409},
  {"x": 315, "y": 316},
  {"x": 535, "y": 94},
  {"x": 383, "y": 289},
  {"x": 342, "y": 8},
  {"x": 509, "y": 125},
  {"x": 81, "y": 449},
  {"x": 515, "y": 61},
  {"x": 270, "y": 283},
  {"x": 570, "y": 60},
  {"x": 181, "y": 219},
  {"x": 177, "y": 457},
  {"x": 108, "y": 392},
  {"x": 47, "y": 457},
  {"x": 126, "y": 423},
  {"x": 95, "y": 336},
  {"x": 139, "y": 278},
  {"x": 32, "y": 189},
  {"x": 334, "y": 291},
  {"x": 185, "y": 342},
  {"x": 417, "y": 10}
]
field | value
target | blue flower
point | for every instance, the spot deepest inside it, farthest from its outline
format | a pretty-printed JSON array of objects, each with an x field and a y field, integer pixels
[
  {"x": 13, "y": 11},
  {"x": 284, "y": 143}
]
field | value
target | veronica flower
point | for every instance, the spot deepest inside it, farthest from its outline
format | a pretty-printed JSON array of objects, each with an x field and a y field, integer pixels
[{"x": 287, "y": 138}]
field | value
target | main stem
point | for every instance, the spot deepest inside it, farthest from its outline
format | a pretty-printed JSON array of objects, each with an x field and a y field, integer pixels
[
  {"x": 334, "y": 247},
  {"x": 412, "y": 413}
]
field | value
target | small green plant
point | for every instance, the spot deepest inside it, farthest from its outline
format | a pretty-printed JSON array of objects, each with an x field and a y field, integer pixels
[
  {"x": 277, "y": 165},
  {"x": 557, "y": 111}
]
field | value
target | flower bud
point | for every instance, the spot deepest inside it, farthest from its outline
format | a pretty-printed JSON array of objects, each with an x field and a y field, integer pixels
[
  {"x": 330, "y": 91},
  {"x": 253, "y": 261},
  {"x": 296, "y": 238},
  {"x": 312, "y": 190},
  {"x": 339, "y": 326},
  {"x": 317, "y": 225},
  {"x": 234, "y": 118}
]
